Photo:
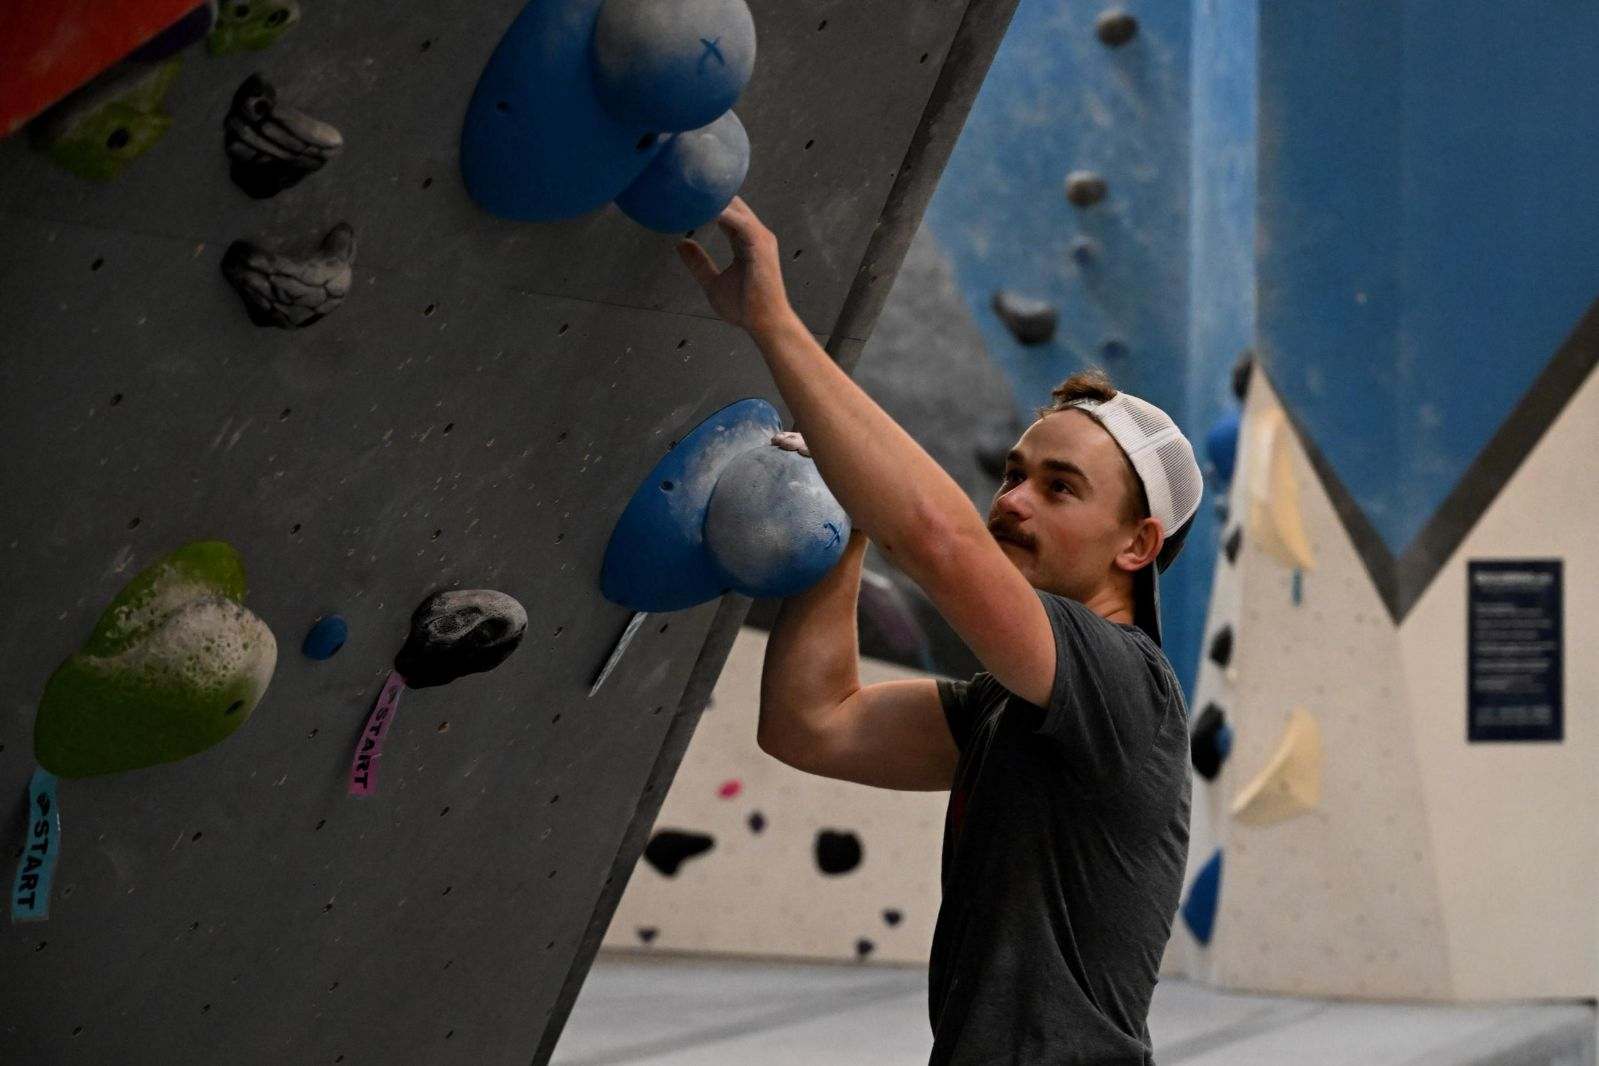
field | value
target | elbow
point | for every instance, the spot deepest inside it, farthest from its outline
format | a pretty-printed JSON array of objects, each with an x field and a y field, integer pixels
[{"x": 937, "y": 544}]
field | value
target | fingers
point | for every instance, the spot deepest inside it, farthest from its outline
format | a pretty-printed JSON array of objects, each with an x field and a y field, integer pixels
[
  {"x": 699, "y": 262},
  {"x": 743, "y": 229}
]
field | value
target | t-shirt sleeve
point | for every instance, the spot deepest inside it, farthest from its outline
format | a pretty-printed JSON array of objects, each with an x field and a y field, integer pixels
[
  {"x": 1108, "y": 698},
  {"x": 962, "y": 701}
]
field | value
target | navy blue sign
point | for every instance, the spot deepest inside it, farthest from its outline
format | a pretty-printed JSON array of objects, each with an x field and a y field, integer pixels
[{"x": 1514, "y": 675}]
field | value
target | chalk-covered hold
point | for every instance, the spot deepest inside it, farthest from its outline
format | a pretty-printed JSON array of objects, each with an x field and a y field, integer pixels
[
  {"x": 772, "y": 527},
  {"x": 460, "y": 632},
  {"x": 1030, "y": 321},
  {"x": 1115, "y": 27},
  {"x": 1084, "y": 188},
  {"x": 271, "y": 146},
  {"x": 695, "y": 175},
  {"x": 290, "y": 291},
  {"x": 175, "y": 664},
  {"x": 672, "y": 65}
]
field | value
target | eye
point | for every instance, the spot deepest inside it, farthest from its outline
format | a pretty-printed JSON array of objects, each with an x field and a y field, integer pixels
[{"x": 1061, "y": 486}]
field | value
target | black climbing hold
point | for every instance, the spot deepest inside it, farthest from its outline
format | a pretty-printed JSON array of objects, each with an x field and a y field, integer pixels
[
  {"x": 1221, "y": 647},
  {"x": 670, "y": 848},
  {"x": 1211, "y": 742},
  {"x": 456, "y": 633},
  {"x": 757, "y": 822},
  {"x": 1115, "y": 27},
  {"x": 892, "y": 917},
  {"x": 292, "y": 291},
  {"x": 864, "y": 947},
  {"x": 1084, "y": 188},
  {"x": 1242, "y": 369},
  {"x": 1235, "y": 540},
  {"x": 272, "y": 146},
  {"x": 837, "y": 853},
  {"x": 647, "y": 933},
  {"x": 1029, "y": 321}
]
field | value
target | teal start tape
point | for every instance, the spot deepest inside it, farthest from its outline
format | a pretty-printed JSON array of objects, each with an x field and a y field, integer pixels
[{"x": 30, "y": 896}]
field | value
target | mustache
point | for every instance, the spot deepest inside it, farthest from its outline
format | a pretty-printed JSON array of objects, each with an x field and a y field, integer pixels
[{"x": 1006, "y": 531}]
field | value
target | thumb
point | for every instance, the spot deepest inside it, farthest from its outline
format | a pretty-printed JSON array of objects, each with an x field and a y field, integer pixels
[{"x": 699, "y": 262}]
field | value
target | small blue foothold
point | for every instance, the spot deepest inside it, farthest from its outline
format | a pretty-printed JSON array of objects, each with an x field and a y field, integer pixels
[
  {"x": 1221, "y": 444},
  {"x": 1199, "y": 909},
  {"x": 1299, "y": 586},
  {"x": 1114, "y": 349},
  {"x": 326, "y": 637}
]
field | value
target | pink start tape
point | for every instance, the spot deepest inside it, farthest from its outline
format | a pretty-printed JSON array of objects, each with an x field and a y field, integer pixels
[{"x": 363, "y": 772}]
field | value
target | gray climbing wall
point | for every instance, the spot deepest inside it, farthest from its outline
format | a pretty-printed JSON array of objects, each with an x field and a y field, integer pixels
[{"x": 477, "y": 414}]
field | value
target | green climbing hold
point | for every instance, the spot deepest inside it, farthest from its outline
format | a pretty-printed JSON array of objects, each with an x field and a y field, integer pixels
[
  {"x": 251, "y": 25},
  {"x": 101, "y": 128},
  {"x": 175, "y": 664}
]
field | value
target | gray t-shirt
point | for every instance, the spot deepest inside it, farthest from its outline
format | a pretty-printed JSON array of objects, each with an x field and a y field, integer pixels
[{"x": 1064, "y": 847}]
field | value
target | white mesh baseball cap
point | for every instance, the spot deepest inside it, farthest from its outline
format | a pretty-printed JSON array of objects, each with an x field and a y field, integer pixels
[{"x": 1164, "y": 461}]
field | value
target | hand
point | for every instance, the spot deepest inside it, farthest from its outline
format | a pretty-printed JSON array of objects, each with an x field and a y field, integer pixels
[{"x": 749, "y": 293}]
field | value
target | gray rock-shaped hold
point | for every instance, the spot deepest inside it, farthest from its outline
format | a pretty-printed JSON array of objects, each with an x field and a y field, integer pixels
[
  {"x": 1029, "y": 321},
  {"x": 292, "y": 291},
  {"x": 272, "y": 146},
  {"x": 1115, "y": 27},
  {"x": 467, "y": 631},
  {"x": 1084, "y": 188}
]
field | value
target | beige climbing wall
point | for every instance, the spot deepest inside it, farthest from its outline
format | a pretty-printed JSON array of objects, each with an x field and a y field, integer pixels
[
  {"x": 1432, "y": 868},
  {"x": 762, "y": 893},
  {"x": 1515, "y": 827}
]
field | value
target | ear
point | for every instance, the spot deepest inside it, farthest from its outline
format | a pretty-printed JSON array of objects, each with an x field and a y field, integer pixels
[{"x": 1144, "y": 545}]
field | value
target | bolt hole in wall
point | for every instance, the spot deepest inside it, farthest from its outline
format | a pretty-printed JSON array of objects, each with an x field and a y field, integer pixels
[
  {"x": 116, "y": 398},
  {"x": 97, "y": 264}
]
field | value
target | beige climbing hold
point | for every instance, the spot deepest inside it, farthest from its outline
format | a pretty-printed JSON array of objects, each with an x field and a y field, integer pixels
[
  {"x": 1290, "y": 784},
  {"x": 1275, "y": 520}
]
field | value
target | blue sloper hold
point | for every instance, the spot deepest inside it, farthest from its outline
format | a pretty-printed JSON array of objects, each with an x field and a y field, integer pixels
[
  {"x": 672, "y": 65},
  {"x": 326, "y": 637},
  {"x": 1199, "y": 909},
  {"x": 767, "y": 536},
  {"x": 693, "y": 178}
]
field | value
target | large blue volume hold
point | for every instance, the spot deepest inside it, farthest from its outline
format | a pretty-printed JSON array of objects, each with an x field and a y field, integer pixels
[
  {"x": 537, "y": 145},
  {"x": 657, "y": 559}
]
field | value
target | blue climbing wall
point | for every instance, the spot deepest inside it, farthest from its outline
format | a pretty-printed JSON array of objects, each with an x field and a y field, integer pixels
[
  {"x": 1428, "y": 228},
  {"x": 1057, "y": 100}
]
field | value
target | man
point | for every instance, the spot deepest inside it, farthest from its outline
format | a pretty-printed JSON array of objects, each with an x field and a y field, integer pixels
[{"x": 1066, "y": 757}]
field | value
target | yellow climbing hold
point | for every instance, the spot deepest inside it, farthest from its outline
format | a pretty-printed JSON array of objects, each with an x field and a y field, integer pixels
[
  {"x": 1275, "y": 520},
  {"x": 1290, "y": 784}
]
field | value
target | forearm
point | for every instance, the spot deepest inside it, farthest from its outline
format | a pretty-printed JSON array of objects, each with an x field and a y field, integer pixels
[
  {"x": 887, "y": 483},
  {"x": 812, "y": 654}
]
